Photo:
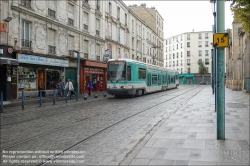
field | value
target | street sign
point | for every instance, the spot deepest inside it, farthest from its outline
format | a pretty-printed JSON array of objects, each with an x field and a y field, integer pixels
[
  {"x": 220, "y": 40},
  {"x": 106, "y": 55}
]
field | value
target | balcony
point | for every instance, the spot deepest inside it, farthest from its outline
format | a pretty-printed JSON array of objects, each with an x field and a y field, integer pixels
[
  {"x": 85, "y": 4},
  {"x": 52, "y": 50},
  {"x": 199, "y": 46},
  {"x": 85, "y": 27},
  {"x": 26, "y": 44}
]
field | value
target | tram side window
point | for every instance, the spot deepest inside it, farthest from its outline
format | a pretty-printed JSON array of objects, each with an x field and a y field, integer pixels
[
  {"x": 172, "y": 80},
  {"x": 141, "y": 73},
  {"x": 128, "y": 73},
  {"x": 154, "y": 79}
]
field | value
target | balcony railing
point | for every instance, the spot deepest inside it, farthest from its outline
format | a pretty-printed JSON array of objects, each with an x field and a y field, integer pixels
[
  {"x": 85, "y": 26},
  {"x": 26, "y": 43},
  {"x": 52, "y": 50},
  {"x": 206, "y": 37},
  {"x": 188, "y": 63},
  {"x": 206, "y": 45},
  {"x": 206, "y": 63}
]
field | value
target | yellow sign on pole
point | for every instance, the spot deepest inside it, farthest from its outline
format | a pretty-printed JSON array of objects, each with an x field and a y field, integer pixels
[{"x": 220, "y": 40}]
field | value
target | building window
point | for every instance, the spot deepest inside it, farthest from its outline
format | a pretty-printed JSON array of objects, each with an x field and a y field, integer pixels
[
  {"x": 166, "y": 42},
  {"x": 200, "y": 52},
  {"x": 52, "y": 49},
  {"x": 118, "y": 35},
  {"x": 188, "y": 36},
  {"x": 85, "y": 21},
  {"x": 177, "y": 54},
  {"x": 26, "y": 35},
  {"x": 177, "y": 46},
  {"x": 207, "y": 61},
  {"x": 110, "y": 8},
  {"x": 119, "y": 53},
  {"x": 70, "y": 22},
  {"x": 188, "y": 62},
  {"x": 86, "y": 48},
  {"x": 181, "y": 45},
  {"x": 126, "y": 17},
  {"x": 188, "y": 53},
  {"x": 166, "y": 49},
  {"x": 206, "y": 43},
  {"x": 97, "y": 5},
  {"x": 199, "y": 44},
  {"x": 200, "y": 36},
  {"x": 173, "y": 55},
  {"x": 206, "y": 35},
  {"x": 133, "y": 42},
  {"x": 206, "y": 52},
  {"x": 133, "y": 26},
  {"x": 97, "y": 27},
  {"x": 51, "y": 13},
  {"x": 26, "y": 3},
  {"x": 181, "y": 54},
  {"x": 110, "y": 30},
  {"x": 173, "y": 47},
  {"x": 188, "y": 44}
]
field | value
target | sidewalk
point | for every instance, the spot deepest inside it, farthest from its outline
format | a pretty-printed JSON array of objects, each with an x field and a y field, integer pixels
[
  {"x": 188, "y": 136},
  {"x": 36, "y": 100}
]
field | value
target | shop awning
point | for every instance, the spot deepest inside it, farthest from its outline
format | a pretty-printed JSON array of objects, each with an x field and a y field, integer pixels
[{"x": 8, "y": 61}]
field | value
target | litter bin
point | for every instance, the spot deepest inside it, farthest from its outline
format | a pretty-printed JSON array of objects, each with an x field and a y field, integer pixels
[{"x": 43, "y": 93}]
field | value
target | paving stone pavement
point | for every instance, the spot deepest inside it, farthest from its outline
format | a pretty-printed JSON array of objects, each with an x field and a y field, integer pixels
[
  {"x": 107, "y": 115},
  {"x": 188, "y": 137}
]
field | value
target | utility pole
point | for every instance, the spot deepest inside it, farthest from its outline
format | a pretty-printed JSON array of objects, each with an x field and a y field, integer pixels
[{"x": 220, "y": 71}]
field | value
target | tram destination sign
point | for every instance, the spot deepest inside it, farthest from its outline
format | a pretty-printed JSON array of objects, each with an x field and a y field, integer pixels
[{"x": 220, "y": 40}]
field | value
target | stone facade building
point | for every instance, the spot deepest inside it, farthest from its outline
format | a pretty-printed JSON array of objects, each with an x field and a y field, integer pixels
[
  {"x": 154, "y": 20},
  {"x": 238, "y": 59}
]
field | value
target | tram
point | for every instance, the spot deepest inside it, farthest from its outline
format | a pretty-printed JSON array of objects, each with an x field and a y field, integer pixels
[{"x": 134, "y": 78}]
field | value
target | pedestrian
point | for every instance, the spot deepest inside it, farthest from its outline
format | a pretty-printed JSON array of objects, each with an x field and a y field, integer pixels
[
  {"x": 69, "y": 87},
  {"x": 90, "y": 86},
  {"x": 59, "y": 86}
]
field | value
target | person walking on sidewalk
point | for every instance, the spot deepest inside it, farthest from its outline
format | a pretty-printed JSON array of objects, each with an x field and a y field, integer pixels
[
  {"x": 90, "y": 86},
  {"x": 69, "y": 87},
  {"x": 59, "y": 86}
]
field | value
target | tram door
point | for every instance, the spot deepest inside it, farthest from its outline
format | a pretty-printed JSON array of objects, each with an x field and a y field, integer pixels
[{"x": 149, "y": 82}]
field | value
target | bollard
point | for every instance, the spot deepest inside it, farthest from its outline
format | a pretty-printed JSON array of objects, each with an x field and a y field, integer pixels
[
  {"x": 76, "y": 95},
  {"x": 40, "y": 97},
  {"x": 54, "y": 97},
  {"x": 105, "y": 95},
  {"x": 22, "y": 100},
  {"x": 1, "y": 100},
  {"x": 95, "y": 95},
  {"x": 85, "y": 97},
  {"x": 66, "y": 96}
]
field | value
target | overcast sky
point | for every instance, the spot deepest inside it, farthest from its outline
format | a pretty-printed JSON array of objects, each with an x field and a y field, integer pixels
[{"x": 184, "y": 16}]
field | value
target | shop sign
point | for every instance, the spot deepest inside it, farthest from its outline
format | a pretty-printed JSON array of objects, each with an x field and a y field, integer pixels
[
  {"x": 3, "y": 27},
  {"x": 93, "y": 72},
  {"x": 106, "y": 55},
  {"x": 23, "y": 58}
]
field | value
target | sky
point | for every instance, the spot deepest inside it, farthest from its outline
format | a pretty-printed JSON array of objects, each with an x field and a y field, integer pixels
[{"x": 186, "y": 16}]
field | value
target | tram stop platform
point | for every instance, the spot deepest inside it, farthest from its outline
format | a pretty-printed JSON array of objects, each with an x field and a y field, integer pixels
[{"x": 188, "y": 136}]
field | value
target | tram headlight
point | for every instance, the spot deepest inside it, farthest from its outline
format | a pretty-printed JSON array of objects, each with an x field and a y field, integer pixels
[
  {"x": 108, "y": 87},
  {"x": 123, "y": 87}
]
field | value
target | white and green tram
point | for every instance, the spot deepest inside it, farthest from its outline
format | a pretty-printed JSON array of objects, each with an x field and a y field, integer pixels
[{"x": 130, "y": 77}]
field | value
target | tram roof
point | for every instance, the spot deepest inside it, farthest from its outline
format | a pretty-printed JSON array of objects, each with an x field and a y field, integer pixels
[{"x": 131, "y": 60}]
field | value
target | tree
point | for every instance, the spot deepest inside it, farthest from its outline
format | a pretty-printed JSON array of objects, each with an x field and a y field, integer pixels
[
  {"x": 241, "y": 10},
  {"x": 202, "y": 68}
]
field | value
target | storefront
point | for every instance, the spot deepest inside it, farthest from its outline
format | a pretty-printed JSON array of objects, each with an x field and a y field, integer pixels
[
  {"x": 7, "y": 79},
  {"x": 96, "y": 73},
  {"x": 36, "y": 72}
]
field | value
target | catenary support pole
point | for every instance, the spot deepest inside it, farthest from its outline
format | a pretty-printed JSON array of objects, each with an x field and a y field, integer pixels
[{"x": 220, "y": 72}]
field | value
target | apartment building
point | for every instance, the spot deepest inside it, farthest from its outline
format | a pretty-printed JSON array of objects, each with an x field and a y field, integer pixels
[
  {"x": 117, "y": 30},
  {"x": 43, "y": 35},
  {"x": 155, "y": 22},
  {"x": 183, "y": 51},
  {"x": 238, "y": 59}
]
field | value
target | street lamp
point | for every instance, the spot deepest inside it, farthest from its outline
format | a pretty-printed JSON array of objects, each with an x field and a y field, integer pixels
[
  {"x": 78, "y": 71},
  {"x": 8, "y": 19}
]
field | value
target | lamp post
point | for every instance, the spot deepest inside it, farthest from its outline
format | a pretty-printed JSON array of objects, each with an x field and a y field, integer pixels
[{"x": 78, "y": 71}]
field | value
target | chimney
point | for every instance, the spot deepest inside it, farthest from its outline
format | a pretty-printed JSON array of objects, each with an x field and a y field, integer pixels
[{"x": 143, "y": 5}]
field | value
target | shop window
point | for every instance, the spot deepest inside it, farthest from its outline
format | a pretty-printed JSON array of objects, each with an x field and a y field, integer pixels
[
  {"x": 27, "y": 79},
  {"x": 52, "y": 78}
]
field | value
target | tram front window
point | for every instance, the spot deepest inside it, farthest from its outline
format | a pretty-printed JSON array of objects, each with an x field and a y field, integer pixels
[{"x": 116, "y": 71}]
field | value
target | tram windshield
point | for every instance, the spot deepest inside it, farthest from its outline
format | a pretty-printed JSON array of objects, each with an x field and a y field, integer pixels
[{"x": 116, "y": 71}]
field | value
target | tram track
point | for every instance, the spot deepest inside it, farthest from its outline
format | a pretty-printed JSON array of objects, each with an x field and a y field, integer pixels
[
  {"x": 86, "y": 118},
  {"x": 58, "y": 111},
  {"x": 106, "y": 128}
]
